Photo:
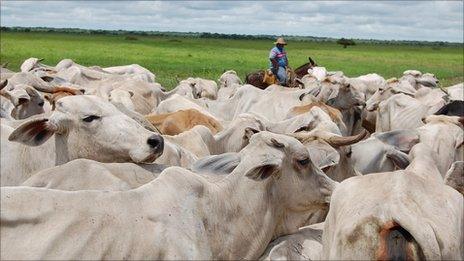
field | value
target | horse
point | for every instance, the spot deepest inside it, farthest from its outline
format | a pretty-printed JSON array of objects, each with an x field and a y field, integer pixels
[{"x": 260, "y": 80}]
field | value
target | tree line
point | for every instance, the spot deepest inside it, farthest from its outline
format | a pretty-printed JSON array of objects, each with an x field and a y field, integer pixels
[{"x": 343, "y": 41}]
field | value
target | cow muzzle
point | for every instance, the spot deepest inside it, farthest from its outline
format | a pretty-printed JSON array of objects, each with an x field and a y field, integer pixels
[{"x": 156, "y": 144}]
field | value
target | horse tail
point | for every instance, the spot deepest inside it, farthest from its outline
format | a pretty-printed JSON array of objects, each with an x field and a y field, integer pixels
[
  {"x": 396, "y": 243},
  {"x": 247, "y": 78}
]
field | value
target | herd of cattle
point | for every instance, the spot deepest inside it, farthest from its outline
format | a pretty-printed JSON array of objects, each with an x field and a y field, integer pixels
[{"x": 104, "y": 163}]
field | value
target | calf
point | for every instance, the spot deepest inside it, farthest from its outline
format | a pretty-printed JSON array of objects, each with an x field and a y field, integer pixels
[{"x": 177, "y": 122}]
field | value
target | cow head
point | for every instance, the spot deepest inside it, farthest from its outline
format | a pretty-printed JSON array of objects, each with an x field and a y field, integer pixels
[
  {"x": 228, "y": 78},
  {"x": 122, "y": 96},
  {"x": 285, "y": 165},
  {"x": 387, "y": 90},
  {"x": 238, "y": 134},
  {"x": 89, "y": 127},
  {"x": 324, "y": 146},
  {"x": 30, "y": 64},
  {"x": 26, "y": 100},
  {"x": 345, "y": 96}
]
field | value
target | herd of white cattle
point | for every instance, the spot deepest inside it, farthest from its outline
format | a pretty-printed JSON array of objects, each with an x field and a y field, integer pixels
[{"x": 341, "y": 168}]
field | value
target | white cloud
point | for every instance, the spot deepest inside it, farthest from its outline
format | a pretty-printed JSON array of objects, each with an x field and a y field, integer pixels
[{"x": 413, "y": 20}]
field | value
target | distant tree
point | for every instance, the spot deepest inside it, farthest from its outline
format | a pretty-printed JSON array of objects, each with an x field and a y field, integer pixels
[
  {"x": 345, "y": 42},
  {"x": 131, "y": 38}
]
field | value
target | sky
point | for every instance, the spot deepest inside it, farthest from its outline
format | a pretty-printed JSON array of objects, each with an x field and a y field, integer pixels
[{"x": 384, "y": 20}]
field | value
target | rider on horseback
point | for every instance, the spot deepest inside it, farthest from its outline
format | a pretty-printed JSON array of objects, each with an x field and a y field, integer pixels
[{"x": 279, "y": 61}]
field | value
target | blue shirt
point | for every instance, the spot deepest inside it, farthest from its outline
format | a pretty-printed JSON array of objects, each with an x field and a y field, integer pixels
[{"x": 280, "y": 55}]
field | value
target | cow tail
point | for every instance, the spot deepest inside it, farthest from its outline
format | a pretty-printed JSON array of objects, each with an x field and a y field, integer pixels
[{"x": 396, "y": 243}]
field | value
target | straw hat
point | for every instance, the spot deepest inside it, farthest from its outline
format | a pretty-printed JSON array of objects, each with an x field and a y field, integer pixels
[{"x": 280, "y": 40}]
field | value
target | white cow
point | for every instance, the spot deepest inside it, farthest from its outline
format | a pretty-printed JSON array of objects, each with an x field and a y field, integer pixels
[
  {"x": 372, "y": 83},
  {"x": 30, "y": 79},
  {"x": 306, "y": 244},
  {"x": 26, "y": 101},
  {"x": 226, "y": 93},
  {"x": 179, "y": 215},
  {"x": 444, "y": 134},
  {"x": 85, "y": 174},
  {"x": 407, "y": 214},
  {"x": 132, "y": 69},
  {"x": 202, "y": 88},
  {"x": 229, "y": 78},
  {"x": 33, "y": 64},
  {"x": 400, "y": 111},
  {"x": 235, "y": 136},
  {"x": 381, "y": 152},
  {"x": 84, "y": 127},
  {"x": 456, "y": 92}
]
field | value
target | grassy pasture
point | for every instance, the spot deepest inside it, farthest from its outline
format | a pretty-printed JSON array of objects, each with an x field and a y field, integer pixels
[{"x": 178, "y": 57}]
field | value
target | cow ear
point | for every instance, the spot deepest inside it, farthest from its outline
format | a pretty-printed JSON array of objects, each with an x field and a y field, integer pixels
[
  {"x": 277, "y": 144},
  {"x": 32, "y": 92},
  {"x": 48, "y": 97},
  {"x": 400, "y": 159},
  {"x": 322, "y": 154},
  {"x": 33, "y": 132},
  {"x": 395, "y": 91},
  {"x": 47, "y": 78},
  {"x": 333, "y": 94},
  {"x": 459, "y": 140},
  {"x": 402, "y": 140},
  {"x": 268, "y": 168},
  {"x": 455, "y": 176},
  {"x": 249, "y": 132},
  {"x": 218, "y": 164}
]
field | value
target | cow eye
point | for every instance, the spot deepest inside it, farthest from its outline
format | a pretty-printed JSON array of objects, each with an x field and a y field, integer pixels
[
  {"x": 91, "y": 118},
  {"x": 303, "y": 162}
]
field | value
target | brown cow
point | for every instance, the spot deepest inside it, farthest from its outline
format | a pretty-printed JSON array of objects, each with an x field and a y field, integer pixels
[
  {"x": 177, "y": 122},
  {"x": 60, "y": 92}
]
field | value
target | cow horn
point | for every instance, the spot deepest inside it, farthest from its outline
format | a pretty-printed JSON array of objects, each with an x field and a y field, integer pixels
[
  {"x": 337, "y": 141},
  {"x": 3, "y": 83}
]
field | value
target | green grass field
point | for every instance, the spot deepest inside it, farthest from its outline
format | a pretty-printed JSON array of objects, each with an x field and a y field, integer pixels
[{"x": 177, "y": 57}]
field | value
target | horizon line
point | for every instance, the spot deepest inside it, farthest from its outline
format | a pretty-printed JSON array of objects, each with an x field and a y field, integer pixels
[{"x": 198, "y": 32}]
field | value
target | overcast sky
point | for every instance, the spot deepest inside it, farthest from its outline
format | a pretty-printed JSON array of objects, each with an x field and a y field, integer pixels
[{"x": 415, "y": 20}]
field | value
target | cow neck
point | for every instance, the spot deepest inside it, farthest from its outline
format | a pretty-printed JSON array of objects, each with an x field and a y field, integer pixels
[
  {"x": 348, "y": 118},
  {"x": 220, "y": 141},
  {"x": 424, "y": 166},
  {"x": 249, "y": 209},
  {"x": 61, "y": 149}
]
